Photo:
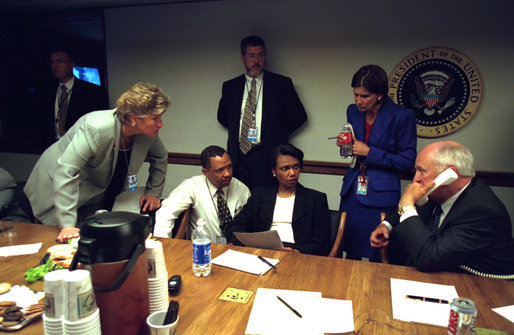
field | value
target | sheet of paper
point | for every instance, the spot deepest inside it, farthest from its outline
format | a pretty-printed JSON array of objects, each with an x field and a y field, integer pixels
[
  {"x": 21, "y": 249},
  {"x": 244, "y": 262},
  {"x": 270, "y": 316},
  {"x": 262, "y": 240},
  {"x": 421, "y": 311},
  {"x": 284, "y": 230},
  {"x": 506, "y": 311},
  {"x": 335, "y": 316}
]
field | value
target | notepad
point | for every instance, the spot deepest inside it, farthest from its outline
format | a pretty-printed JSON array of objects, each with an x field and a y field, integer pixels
[
  {"x": 263, "y": 240},
  {"x": 244, "y": 262},
  {"x": 406, "y": 309}
]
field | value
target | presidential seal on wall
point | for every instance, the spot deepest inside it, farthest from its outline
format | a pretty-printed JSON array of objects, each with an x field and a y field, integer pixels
[{"x": 441, "y": 85}]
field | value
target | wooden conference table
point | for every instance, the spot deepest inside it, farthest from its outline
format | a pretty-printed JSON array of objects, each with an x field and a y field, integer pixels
[{"x": 201, "y": 312}]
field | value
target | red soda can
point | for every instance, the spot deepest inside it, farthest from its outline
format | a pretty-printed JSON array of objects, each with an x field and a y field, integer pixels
[{"x": 463, "y": 314}]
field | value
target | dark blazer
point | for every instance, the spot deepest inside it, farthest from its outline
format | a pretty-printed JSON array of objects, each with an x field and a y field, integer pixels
[
  {"x": 392, "y": 145},
  {"x": 282, "y": 113},
  {"x": 477, "y": 232},
  {"x": 85, "y": 97},
  {"x": 311, "y": 218}
]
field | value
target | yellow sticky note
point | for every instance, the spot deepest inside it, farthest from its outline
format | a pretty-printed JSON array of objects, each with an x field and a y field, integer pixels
[{"x": 236, "y": 295}]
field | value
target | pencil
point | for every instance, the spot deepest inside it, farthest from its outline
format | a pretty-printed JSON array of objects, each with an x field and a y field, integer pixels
[
  {"x": 288, "y": 306},
  {"x": 265, "y": 261}
]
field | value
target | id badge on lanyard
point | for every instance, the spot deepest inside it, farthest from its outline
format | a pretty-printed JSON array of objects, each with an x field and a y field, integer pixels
[
  {"x": 132, "y": 182},
  {"x": 252, "y": 135},
  {"x": 362, "y": 182}
]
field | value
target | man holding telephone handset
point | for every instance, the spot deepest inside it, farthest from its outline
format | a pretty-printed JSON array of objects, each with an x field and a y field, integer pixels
[{"x": 463, "y": 226}]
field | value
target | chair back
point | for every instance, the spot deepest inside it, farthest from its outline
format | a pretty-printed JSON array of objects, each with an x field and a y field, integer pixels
[
  {"x": 23, "y": 202},
  {"x": 337, "y": 222},
  {"x": 383, "y": 250},
  {"x": 180, "y": 230}
]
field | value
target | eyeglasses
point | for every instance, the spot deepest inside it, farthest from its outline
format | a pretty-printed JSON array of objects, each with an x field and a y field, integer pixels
[{"x": 379, "y": 322}]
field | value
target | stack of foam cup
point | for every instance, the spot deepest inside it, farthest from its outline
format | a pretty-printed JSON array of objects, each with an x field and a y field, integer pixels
[
  {"x": 157, "y": 276},
  {"x": 54, "y": 302},
  {"x": 81, "y": 315}
]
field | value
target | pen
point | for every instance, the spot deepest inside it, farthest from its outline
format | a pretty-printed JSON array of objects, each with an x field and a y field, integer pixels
[
  {"x": 265, "y": 261},
  {"x": 332, "y": 138},
  {"x": 435, "y": 300},
  {"x": 288, "y": 306}
]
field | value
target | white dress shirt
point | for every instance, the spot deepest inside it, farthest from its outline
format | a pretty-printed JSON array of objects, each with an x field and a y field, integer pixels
[
  {"x": 69, "y": 87},
  {"x": 199, "y": 193},
  {"x": 445, "y": 208}
]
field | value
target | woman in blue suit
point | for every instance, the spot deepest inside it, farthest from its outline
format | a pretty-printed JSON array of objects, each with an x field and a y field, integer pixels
[{"x": 385, "y": 146}]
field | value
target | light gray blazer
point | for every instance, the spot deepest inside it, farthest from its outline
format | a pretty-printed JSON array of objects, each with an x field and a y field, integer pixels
[{"x": 77, "y": 169}]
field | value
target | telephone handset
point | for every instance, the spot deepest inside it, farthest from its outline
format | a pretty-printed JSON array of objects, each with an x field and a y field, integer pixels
[{"x": 446, "y": 177}]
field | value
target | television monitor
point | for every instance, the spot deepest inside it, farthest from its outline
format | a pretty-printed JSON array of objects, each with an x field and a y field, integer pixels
[{"x": 89, "y": 74}]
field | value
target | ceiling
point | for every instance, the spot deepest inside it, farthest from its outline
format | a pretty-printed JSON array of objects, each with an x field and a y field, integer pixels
[{"x": 38, "y": 5}]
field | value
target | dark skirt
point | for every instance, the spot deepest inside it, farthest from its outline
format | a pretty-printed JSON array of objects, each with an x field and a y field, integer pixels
[{"x": 361, "y": 220}]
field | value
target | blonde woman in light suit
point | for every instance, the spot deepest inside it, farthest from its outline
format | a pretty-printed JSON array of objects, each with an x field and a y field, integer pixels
[{"x": 93, "y": 162}]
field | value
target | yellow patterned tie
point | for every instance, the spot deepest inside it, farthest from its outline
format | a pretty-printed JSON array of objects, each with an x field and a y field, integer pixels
[
  {"x": 63, "y": 107},
  {"x": 248, "y": 120}
]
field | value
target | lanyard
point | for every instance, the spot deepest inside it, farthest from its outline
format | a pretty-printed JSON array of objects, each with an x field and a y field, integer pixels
[{"x": 212, "y": 198}]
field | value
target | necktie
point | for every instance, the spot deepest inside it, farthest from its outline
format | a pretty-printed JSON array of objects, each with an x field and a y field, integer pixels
[
  {"x": 63, "y": 107},
  {"x": 248, "y": 119},
  {"x": 223, "y": 211},
  {"x": 433, "y": 222}
]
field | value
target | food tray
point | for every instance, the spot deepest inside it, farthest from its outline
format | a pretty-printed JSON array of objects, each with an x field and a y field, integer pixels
[{"x": 22, "y": 324}]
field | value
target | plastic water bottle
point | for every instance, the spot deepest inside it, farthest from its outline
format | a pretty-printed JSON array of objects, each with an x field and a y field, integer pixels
[
  {"x": 201, "y": 250},
  {"x": 346, "y": 138}
]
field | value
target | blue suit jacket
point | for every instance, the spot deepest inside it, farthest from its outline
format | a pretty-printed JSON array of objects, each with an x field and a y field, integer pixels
[{"x": 392, "y": 145}]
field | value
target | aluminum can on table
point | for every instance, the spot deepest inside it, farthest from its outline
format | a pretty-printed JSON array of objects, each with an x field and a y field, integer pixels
[{"x": 463, "y": 314}]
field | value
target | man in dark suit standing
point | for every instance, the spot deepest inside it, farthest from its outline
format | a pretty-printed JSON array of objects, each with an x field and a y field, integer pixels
[
  {"x": 463, "y": 226},
  {"x": 260, "y": 109},
  {"x": 63, "y": 104}
]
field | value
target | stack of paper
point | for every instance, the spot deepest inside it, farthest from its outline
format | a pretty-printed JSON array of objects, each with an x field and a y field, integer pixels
[
  {"x": 318, "y": 315},
  {"x": 244, "y": 262}
]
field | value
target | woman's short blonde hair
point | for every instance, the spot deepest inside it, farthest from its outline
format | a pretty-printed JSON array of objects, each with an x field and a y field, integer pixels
[{"x": 141, "y": 100}]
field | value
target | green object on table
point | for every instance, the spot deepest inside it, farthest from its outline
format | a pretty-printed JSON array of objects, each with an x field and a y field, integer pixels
[{"x": 39, "y": 272}]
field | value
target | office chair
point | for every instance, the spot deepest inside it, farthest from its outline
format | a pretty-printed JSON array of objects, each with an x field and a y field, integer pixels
[
  {"x": 180, "y": 231},
  {"x": 383, "y": 250},
  {"x": 338, "y": 222}
]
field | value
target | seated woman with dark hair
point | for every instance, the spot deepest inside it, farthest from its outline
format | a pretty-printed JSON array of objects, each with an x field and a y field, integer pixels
[{"x": 287, "y": 207}]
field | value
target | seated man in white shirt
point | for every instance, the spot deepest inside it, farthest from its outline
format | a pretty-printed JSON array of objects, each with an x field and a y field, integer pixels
[{"x": 200, "y": 192}]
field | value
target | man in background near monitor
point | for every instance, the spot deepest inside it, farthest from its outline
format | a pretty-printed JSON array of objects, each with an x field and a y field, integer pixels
[
  {"x": 62, "y": 104},
  {"x": 207, "y": 194},
  {"x": 462, "y": 227},
  {"x": 260, "y": 109}
]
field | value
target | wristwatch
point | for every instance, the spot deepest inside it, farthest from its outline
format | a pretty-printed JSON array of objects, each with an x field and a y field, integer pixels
[{"x": 403, "y": 209}]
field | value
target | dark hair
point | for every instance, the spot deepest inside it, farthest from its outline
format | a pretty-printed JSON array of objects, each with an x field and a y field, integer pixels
[
  {"x": 251, "y": 41},
  {"x": 67, "y": 51},
  {"x": 286, "y": 150},
  {"x": 207, "y": 153},
  {"x": 371, "y": 77}
]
